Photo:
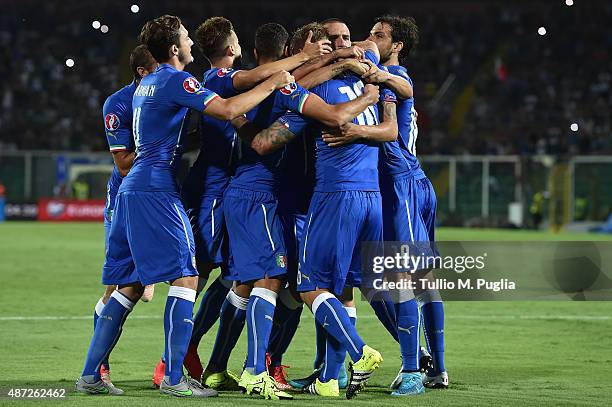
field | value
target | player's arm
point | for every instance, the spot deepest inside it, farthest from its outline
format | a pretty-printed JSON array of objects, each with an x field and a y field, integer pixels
[
  {"x": 331, "y": 71},
  {"x": 247, "y": 79},
  {"x": 350, "y": 132},
  {"x": 396, "y": 83},
  {"x": 326, "y": 59},
  {"x": 368, "y": 45},
  {"x": 124, "y": 161},
  {"x": 337, "y": 115},
  {"x": 227, "y": 109},
  {"x": 263, "y": 141}
]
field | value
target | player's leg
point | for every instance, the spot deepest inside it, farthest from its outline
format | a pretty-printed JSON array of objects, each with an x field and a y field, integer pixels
[
  {"x": 162, "y": 245},
  {"x": 231, "y": 323},
  {"x": 324, "y": 264},
  {"x": 118, "y": 270},
  {"x": 432, "y": 307}
]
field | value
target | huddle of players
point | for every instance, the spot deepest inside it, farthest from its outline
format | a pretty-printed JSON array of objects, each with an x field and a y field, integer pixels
[{"x": 262, "y": 207}]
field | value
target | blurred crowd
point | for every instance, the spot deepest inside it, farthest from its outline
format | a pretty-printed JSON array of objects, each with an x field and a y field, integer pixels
[{"x": 485, "y": 81}]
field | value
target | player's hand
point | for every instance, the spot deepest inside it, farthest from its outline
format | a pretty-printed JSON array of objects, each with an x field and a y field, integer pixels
[
  {"x": 351, "y": 52},
  {"x": 314, "y": 49},
  {"x": 355, "y": 66},
  {"x": 374, "y": 74},
  {"x": 372, "y": 93},
  {"x": 281, "y": 79},
  {"x": 347, "y": 134},
  {"x": 239, "y": 121}
]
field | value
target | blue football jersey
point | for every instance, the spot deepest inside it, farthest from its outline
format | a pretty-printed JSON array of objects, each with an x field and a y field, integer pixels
[
  {"x": 219, "y": 141},
  {"x": 401, "y": 154},
  {"x": 117, "y": 112},
  {"x": 262, "y": 173},
  {"x": 350, "y": 167},
  {"x": 160, "y": 106}
]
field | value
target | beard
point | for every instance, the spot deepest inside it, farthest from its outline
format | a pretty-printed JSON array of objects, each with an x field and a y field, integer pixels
[
  {"x": 384, "y": 58},
  {"x": 184, "y": 57}
]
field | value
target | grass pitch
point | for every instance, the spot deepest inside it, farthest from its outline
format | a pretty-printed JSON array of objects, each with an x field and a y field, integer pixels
[{"x": 497, "y": 353}]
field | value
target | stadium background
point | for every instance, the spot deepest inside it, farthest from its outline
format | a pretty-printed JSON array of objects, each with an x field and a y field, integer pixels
[{"x": 496, "y": 103}]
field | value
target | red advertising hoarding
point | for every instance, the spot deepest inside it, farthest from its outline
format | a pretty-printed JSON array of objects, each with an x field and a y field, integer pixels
[{"x": 66, "y": 210}]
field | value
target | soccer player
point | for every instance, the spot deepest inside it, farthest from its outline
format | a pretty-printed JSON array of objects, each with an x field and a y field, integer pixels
[
  {"x": 251, "y": 211},
  {"x": 149, "y": 215},
  {"x": 208, "y": 178},
  {"x": 117, "y": 113},
  {"x": 396, "y": 37}
]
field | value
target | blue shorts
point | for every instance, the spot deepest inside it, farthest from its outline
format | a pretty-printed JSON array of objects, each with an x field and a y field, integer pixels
[
  {"x": 255, "y": 234},
  {"x": 337, "y": 225},
  {"x": 409, "y": 213},
  {"x": 118, "y": 262},
  {"x": 155, "y": 229},
  {"x": 208, "y": 225},
  {"x": 293, "y": 229}
]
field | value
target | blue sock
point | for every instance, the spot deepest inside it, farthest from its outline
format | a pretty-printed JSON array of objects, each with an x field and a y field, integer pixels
[
  {"x": 208, "y": 313},
  {"x": 330, "y": 313},
  {"x": 408, "y": 326},
  {"x": 286, "y": 320},
  {"x": 335, "y": 353},
  {"x": 260, "y": 316},
  {"x": 321, "y": 338},
  {"x": 178, "y": 327},
  {"x": 106, "y": 334},
  {"x": 432, "y": 309},
  {"x": 97, "y": 311},
  {"x": 231, "y": 323},
  {"x": 385, "y": 311}
]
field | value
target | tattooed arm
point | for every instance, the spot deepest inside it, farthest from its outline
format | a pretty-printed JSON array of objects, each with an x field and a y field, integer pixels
[
  {"x": 330, "y": 71},
  {"x": 323, "y": 60},
  {"x": 350, "y": 132},
  {"x": 264, "y": 141}
]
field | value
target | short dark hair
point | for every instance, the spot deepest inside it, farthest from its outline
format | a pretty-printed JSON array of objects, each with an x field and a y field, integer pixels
[
  {"x": 301, "y": 34},
  {"x": 160, "y": 34},
  {"x": 270, "y": 40},
  {"x": 333, "y": 20},
  {"x": 212, "y": 36},
  {"x": 403, "y": 29},
  {"x": 140, "y": 56}
]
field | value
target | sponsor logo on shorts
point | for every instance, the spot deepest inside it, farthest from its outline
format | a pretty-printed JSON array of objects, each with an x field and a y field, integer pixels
[{"x": 281, "y": 261}]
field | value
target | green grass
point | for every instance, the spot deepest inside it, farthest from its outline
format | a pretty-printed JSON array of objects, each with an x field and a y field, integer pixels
[{"x": 498, "y": 353}]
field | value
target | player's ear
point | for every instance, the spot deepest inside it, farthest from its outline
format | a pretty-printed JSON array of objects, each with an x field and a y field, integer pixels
[
  {"x": 255, "y": 54},
  {"x": 286, "y": 51},
  {"x": 142, "y": 71},
  {"x": 398, "y": 46},
  {"x": 231, "y": 50},
  {"x": 174, "y": 51}
]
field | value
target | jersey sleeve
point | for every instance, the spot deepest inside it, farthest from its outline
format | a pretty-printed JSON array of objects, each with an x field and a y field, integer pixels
[
  {"x": 399, "y": 71},
  {"x": 187, "y": 91},
  {"x": 221, "y": 81},
  {"x": 387, "y": 96},
  {"x": 371, "y": 56},
  {"x": 291, "y": 97},
  {"x": 117, "y": 125},
  {"x": 294, "y": 122}
]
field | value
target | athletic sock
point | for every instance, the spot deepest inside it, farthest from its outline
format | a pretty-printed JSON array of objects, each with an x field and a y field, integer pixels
[
  {"x": 286, "y": 320},
  {"x": 432, "y": 309},
  {"x": 178, "y": 326},
  {"x": 208, "y": 313},
  {"x": 321, "y": 338},
  {"x": 383, "y": 307},
  {"x": 330, "y": 313},
  {"x": 231, "y": 323},
  {"x": 106, "y": 334},
  {"x": 408, "y": 327},
  {"x": 335, "y": 353},
  {"x": 97, "y": 312},
  {"x": 260, "y": 316}
]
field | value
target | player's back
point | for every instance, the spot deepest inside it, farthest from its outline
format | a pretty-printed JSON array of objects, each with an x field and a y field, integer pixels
[
  {"x": 219, "y": 143},
  {"x": 354, "y": 166},
  {"x": 400, "y": 156},
  {"x": 160, "y": 109}
]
